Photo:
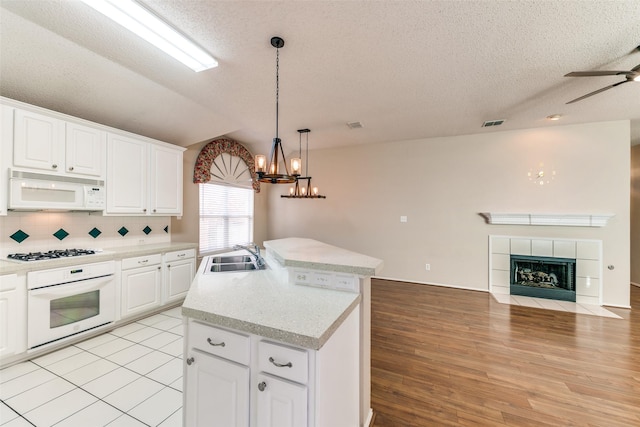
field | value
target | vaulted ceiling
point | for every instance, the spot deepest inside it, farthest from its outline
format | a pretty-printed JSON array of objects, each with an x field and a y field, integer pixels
[{"x": 404, "y": 69}]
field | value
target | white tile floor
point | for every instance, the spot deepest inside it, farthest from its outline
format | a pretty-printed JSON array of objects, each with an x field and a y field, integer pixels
[
  {"x": 129, "y": 377},
  {"x": 549, "y": 304}
]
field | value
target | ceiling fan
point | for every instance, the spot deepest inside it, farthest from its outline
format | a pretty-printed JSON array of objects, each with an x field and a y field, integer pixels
[{"x": 632, "y": 75}]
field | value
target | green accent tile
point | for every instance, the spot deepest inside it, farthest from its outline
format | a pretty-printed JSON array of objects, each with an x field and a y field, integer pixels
[
  {"x": 123, "y": 231},
  {"x": 95, "y": 232},
  {"x": 166, "y": 229},
  {"x": 19, "y": 236},
  {"x": 146, "y": 230},
  {"x": 60, "y": 234}
]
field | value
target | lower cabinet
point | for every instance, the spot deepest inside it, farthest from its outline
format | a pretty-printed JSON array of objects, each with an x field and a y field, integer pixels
[
  {"x": 141, "y": 284},
  {"x": 13, "y": 315},
  {"x": 221, "y": 391},
  {"x": 179, "y": 269},
  {"x": 280, "y": 403},
  {"x": 234, "y": 379}
]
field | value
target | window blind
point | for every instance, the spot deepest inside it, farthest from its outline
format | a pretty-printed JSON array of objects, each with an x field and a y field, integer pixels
[{"x": 226, "y": 216}]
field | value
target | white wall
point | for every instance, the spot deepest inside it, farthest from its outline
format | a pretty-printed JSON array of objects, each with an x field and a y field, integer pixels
[
  {"x": 635, "y": 214},
  {"x": 441, "y": 185}
]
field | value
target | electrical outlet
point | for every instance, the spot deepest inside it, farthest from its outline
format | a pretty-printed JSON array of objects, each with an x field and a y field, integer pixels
[
  {"x": 427, "y": 267},
  {"x": 403, "y": 218}
]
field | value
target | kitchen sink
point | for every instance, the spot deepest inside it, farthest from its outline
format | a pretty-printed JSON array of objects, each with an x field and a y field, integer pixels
[
  {"x": 230, "y": 263},
  {"x": 232, "y": 259},
  {"x": 238, "y": 266}
]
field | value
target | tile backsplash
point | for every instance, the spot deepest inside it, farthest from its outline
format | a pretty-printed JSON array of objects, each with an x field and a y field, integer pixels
[{"x": 43, "y": 231}]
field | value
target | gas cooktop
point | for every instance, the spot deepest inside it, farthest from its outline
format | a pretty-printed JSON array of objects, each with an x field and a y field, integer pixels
[{"x": 55, "y": 254}]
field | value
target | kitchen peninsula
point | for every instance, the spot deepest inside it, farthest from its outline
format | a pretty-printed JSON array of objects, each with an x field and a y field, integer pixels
[{"x": 288, "y": 345}]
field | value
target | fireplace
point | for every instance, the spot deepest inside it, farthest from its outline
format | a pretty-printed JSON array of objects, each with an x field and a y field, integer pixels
[{"x": 543, "y": 277}]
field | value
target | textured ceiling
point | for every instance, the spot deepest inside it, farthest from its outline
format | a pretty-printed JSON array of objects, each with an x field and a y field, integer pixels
[{"x": 405, "y": 69}]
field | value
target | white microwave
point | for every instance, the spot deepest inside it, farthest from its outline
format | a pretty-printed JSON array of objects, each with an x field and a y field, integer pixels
[{"x": 29, "y": 191}]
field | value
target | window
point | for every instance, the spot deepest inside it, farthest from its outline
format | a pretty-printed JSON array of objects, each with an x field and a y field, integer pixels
[{"x": 226, "y": 216}]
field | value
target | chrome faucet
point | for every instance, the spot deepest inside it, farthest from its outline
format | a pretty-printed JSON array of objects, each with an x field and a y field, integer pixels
[{"x": 255, "y": 252}]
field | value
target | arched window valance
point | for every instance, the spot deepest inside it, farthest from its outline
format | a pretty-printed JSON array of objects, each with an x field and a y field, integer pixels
[{"x": 209, "y": 153}]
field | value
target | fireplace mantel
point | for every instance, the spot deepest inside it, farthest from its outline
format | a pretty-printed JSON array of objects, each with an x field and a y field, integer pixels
[{"x": 571, "y": 220}]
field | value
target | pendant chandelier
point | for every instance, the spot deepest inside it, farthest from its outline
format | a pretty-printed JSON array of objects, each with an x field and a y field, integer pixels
[
  {"x": 276, "y": 171},
  {"x": 302, "y": 189}
]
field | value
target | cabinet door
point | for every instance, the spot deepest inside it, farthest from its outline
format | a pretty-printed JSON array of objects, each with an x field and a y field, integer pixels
[
  {"x": 12, "y": 316},
  {"x": 166, "y": 181},
  {"x": 280, "y": 403},
  {"x": 38, "y": 141},
  {"x": 85, "y": 150},
  {"x": 179, "y": 275},
  {"x": 126, "y": 175},
  {"x": 218, "y": 392},
  {"x": 140, "y": 289}
]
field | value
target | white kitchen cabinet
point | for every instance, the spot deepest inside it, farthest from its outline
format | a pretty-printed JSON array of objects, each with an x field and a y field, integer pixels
[
  {"x": 165, "y": 182},
  {"x": 127, "y": 175},
  {"x": 289, "y": 386},
  {"x": 220, "y": 391},
  {"x": 38, "y": 141},
  {"x": 179, "y": 269},
  {"x": 47, "y": 143},
  {"x": 85, "y": 149},
  {"x": 141, "y": 284},
  {"x": 216, "y": 377},
  {"x": 143, "y": 178},
  {"x": 13, "y": 315},
  {"x": 280, "y": 403},
  {"x": 6, "y": 154}
]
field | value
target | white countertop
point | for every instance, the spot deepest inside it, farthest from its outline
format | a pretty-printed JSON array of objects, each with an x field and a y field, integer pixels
[
  {"x": 308, "y": 253},
  {"x": 9, "y": 267},
  {"x": 264, "y": 303}
]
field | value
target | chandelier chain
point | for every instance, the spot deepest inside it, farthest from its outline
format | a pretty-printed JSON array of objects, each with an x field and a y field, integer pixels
[{"x": 277, "y": 86}]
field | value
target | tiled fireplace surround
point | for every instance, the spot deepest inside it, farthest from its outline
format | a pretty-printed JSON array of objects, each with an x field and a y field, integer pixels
[{"x": 588, "y": 255}]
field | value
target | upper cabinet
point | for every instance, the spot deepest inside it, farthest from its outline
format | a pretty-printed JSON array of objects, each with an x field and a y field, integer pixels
[
  {"x": 127, "y": 172},
  {"x": 54, "y": 145},
  {"x": 143, "y": 178}
]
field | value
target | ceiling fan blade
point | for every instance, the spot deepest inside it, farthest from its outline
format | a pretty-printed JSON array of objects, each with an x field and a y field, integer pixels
[
  {"x": 596, "y": 73},
  {"x": 636, "y": 68},
  {"x": 598, "y": 91}
]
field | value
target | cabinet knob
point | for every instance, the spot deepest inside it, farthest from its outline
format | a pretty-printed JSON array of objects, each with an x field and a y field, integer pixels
[
  {"x": 190, "y": 361},
  {"x": 144, "y": 210},
  {"x": 154, "y": 210},
  {"x": 54, "y": 166},
  {"x": 262, "y": 386},
  {"x": 159, "y": 267},
  {"x": 70, "y": 168}
]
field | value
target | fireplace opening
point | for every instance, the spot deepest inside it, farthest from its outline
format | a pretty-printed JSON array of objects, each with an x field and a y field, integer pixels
[{"x": 543, "y": 277}]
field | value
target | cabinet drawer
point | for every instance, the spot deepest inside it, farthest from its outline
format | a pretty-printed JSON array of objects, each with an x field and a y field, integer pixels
[
  {"x": 285, "y": 362},
  {"x": 141, "y": 261},
  {"x": 178, "y": 255},
  {"x": 223, "y": 343}
]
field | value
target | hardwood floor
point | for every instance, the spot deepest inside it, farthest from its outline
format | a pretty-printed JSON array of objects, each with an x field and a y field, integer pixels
[{"x": 450, "y": 357}]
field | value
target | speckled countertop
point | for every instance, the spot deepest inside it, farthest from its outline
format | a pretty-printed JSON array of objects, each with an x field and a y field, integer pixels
[
  {"x": 309, "y": 253},
  {"x": 9, "y": 267},
  {"x": 264, "y": 303}
]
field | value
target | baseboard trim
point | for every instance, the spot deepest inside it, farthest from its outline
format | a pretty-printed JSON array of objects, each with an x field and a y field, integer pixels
[
  {"x": 370, "y": 419},
  {"x": 444, "y": 285}
]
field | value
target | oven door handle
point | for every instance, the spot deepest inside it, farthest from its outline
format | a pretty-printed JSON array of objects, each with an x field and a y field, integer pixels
[{"x": 66, "y": 289}]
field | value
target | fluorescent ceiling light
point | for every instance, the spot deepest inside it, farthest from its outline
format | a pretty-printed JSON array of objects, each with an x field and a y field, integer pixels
[{"x": 140, "y": 21}]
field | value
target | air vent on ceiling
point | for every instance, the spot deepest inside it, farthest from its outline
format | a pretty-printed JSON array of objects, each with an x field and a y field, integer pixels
[
  {"x": 492, "y": 123},
  {"x": 355, "y": 125}
]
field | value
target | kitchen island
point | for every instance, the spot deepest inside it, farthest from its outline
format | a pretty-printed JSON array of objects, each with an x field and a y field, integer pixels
[{"x": 284, "y": 334}]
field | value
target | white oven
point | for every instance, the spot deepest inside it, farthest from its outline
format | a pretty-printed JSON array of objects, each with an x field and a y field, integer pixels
[{"x": 68, "y": 301}]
